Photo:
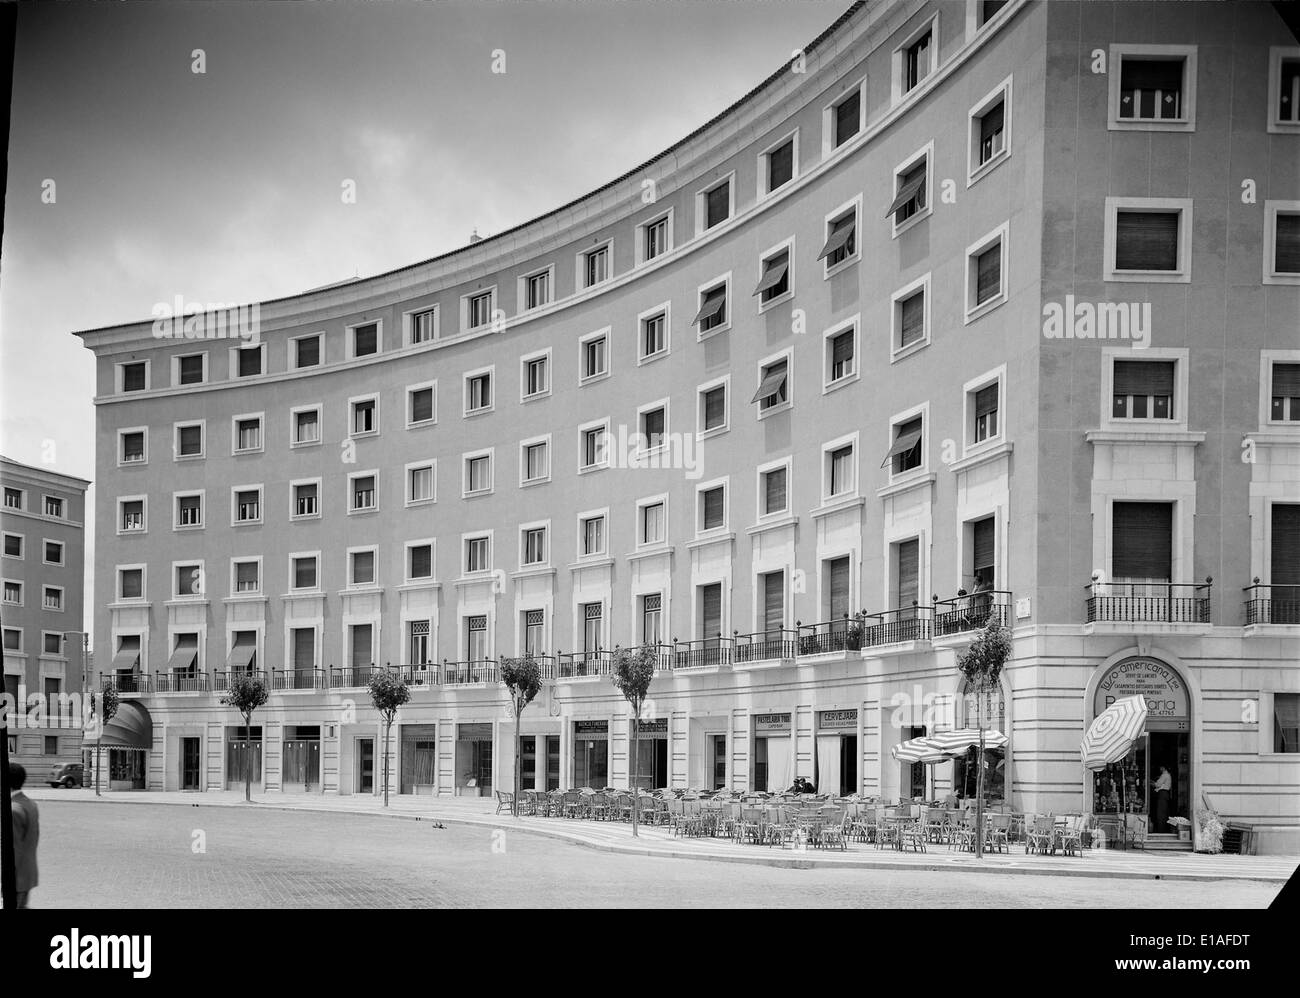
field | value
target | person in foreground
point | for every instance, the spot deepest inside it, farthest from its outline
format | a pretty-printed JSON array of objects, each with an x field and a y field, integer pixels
[{"x": 27, "y": 834}]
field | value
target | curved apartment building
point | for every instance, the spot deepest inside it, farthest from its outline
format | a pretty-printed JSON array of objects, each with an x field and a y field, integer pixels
[{"x": 960, "y": 313}]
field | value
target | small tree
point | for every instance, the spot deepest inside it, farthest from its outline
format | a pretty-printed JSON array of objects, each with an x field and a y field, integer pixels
[
  {"x": 633, "y": 670},
  {"x": 246, "y": 693},
  {"x": 523, "y": 678},
  {"x": 982, "y": 664},
  {"x": 387, "y": 693},
  {"x": 108, "y": 701}
]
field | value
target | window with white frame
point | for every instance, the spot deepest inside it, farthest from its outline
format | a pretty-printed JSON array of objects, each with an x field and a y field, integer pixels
[
  {"x": 249, "y": 361},
  {"x": 594, "y": 356},
  {"x": 13, "y": 639},
  {"x": 1143, "y": 389},
  {"x": 1284, "y": 392},
  {"x": 777, "y": 165},
  {"x": 595, "y": 268},
  {"x": 1284, "y": 89},
  {"x": 983, "y": 404},
  {"x": 419, "y": 560},
  {"x": 248, "y": 433},
  {"x": 361, "y": 492},
  {"x": 651, "y": 605},
  {"x": 986, "y": 10},
  {"x": 653, "y": 426},
  {"x": 306, "y": 350},
  {"x": 15, "y": 498},
  {"x": 364, "y": 416},
  {"x": 364, "y": 339},
  {"x": 533, "y": 545},
  {"x": 911, "y": 190},
  {"x": 130, "y": 516},
  {"x": 911, "y": 315},
  {"x": 841, "y": 351},
  {"x": 247, "y": 576},
  {"x": 190, "y": 369},
  {"x": 654, "y": 333},
  {"x": 189, "y": 440},
  {"x": 1148, "y": 239},
  {"x": 839, "y": 470},
  {"x": 534, "y": 632},
  {"x": 712, "y": 314},
  {"x": 712, "y": 507},
  {"x": 1282, "y": 242},
  {"x": 52, "y": 598},
  {"x": 477, "y": 554},
  {"x": 306, "y": 499},
  {"x": 423, "y": 325},
  {"x": 303, "y": 571},
  {"x": 989, "y": 131},
  {"x": 845, "y": 117},
  {"x": 188, "y": 579},
  {"x": 13, "y": 592},
  {"x": 773, "y": 385},
  {"x": 13, "y": 545},
  {"x": 537, "y": 289},
  {"x": 419, "y": 483},
  {"x": 656, "y": 237},
  {"x": 535, "y": 461},
  {"x": 916, "y": 58},
  {"x": 535, "y": 376},
  {"x": 361, "y": 566},
  {"x": 591, "y": 535},
  {"x": 478, "y": 473},
  {"x": 776, "y": 278},
  {"x": 54, "y": 507},
  {"x": 305, "y": 426},
  {"x": 130, "y": 582},
  {"x": 133, "y": 446},
  {"x": 478, "y": 309},
  {"x": 421, "y": 404},
  {"x": 841, "y": 246},
  {"x": 418, "y": 642},
  {"x": 773, "y": 489},
  {"x": 593, "y": 441},
  {"x": 713, "y": 205},
  {"x": 52, "y": 644},
  {"x": 906, "y": 453},
  {"x": 651, "y": 521},
  {"x": 246, "y": 504},
  {"x": 478, "y": 392},
  {"x": 713, "y": 409},
  {"x": 133, "y": 376},
  {"x": 986, "y": 273},
  {"x": 189, "y": 510},
  {"x": 1152, "y": 87},
  {"x": 53, "y": 554}
]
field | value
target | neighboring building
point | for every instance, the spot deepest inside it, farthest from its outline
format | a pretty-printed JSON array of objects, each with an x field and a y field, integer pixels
[
  {"x": 43, "y": 569},
  {"x": 832, "y": 319}
]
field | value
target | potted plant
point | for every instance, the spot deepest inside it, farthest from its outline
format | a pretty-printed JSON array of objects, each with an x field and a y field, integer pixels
[
  {"x": 853, "y": 633},
  {"x": 1211, "y": 830}
]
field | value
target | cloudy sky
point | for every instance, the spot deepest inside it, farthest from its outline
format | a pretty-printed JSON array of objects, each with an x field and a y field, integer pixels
[{"x": 225, "y": 186}]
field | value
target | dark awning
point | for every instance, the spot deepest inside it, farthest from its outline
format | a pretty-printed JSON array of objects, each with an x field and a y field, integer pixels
[
  {"x": 241, "y": 655},
  {"x": 713, "y": 303},
  {"x": 902, "y": 445},
  {"x": 770, "y": 386},
  {"x": 187, "y": 650},
  {"x": 127, "y": 658},
  {"x": 130, "y": 727},
  {"x": 839, "y": 237},
  {"x": 773, "y": 275},
  {"x": 908, "y": 191}
]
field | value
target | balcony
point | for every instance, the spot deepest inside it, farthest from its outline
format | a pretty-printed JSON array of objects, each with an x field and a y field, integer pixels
[
  {"x": 352, "y": 677},
  {"x": 297, "y": 679},
  {"x": 866, "y": 630},
  {"x": 221, "y": 680},
  {"x": 1149, "y": 602},
  {"x": 475, "y": 672},
  {"x": 1272, "y": 604},
  {"x": 584, "y": 664},
  {"x": 417, "y": 675},
  {"x": 703, "y": 654},
  {"x": 131, "y": 683},
  {"x": 765, "y": 646},
  {"x": 181, "y": 682},
  {"x": 971, "y": 612}
]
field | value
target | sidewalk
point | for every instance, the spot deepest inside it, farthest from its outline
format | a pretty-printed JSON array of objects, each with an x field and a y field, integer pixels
[{"x": 658, "y": 841}]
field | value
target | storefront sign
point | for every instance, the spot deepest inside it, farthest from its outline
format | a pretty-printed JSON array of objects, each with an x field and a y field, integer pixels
[
  {"x": 657, "y": 726},
  {"x": 1158, "y": 683},
  {"x": 837, "y": 720},
  {"x": 474, "y": 732},
  {"x": 771, "y": 722},
  {"x": 591, "y": 727}
]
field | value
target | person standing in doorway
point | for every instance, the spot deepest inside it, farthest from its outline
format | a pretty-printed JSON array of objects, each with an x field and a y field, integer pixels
[
  {"x": 27, "y": 833},
  {"x": 1164, "y": 782}
]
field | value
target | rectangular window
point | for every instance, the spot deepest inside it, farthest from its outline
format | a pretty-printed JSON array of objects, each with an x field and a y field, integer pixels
[
  {"x": 535, "y": 546},
  {"x": 306, "y": 426},
  {"x": 1286, "y": 97},
  {"x": 476, "y": 554},
  {"x": 1143, "y": 389},
  {"x": 713, "y": 308},
  {"x": 306, "y": 499},
  {"x": 478, "y": 392},
  {"x": 989, "y": 129},
  {"x": 248, "y": 505},
  {"x": 306, "y": 351},
  {"x": 780, "y": 165},
  {"x": 190, "y": 369},
  {"x": 13, "y": 639},
  {"x": 365, "y": 416},
  {"x": 250, "y": 361},
  {"x": 479, "y": 309},
  {"x": 713, "y": 408},
  {"x": 593, "y": 447},
  {"x": 304, "y": 572},
  {"x": 133, "y": 447},
  {"x": 189, "y": 511},
  {"x": 591, "y": 620},
  {"x": 910, "y": 193},
  {"x": 717, "y": 204},
  {"x": 361, "y": 568},
  {"x": 848, "y": 117},
  {"x": 1285, "y": 393},
  {"x": 534, "y": 632},
  {"x": 594, "y": 357},
  {"x": 774, "y": 282},
  {"x": 710, "y": 610},
  {"x": 53, "y": 553},
  {"x": 189, "y": 440},
  {"x": 908, "y": 572},
  {"x": 536, "y": 466},
  {"x": 419, "y": 482},
  {"x": 654, "y": 339},
  {"x": 13, "y": 545},
  {"x": 478, "y": 474},
  {"x": 13, "y": 498},
  {"x": 536, "y": 378},
  {"x": 189, "y": 580},
  {"x": 905, "y": 454},
  {"x": 537, "y": 290},
  {"x": 593, "y": 535},
  {"x": 839, "y": 350},
  {"x": 421, "y": 405},
  {"x": 656, "y": 238},
  {"x": 652, "y": 618},
  {"x": 365, "y": 340},
  {"x": 652, "y": 427},
  {"x": 133, "y": 514},
  {"x": 841, "y": 243},
  {"x": 840, "y": 465},
  {"x": 363, "y": 493},
  {"x": 772, "y": 390},
  {"x": 773, "y": 607},
  {"x": 652, "y": 523},
  {"x": 1146, "y": 240},
  {"x": 248, "y": 433},
  {"x": 1151, "y": 89},
  {"x": 1142, "y": 541},
  {"x": 54, "y": 507},
  {"x": 774, "y": 497},
  {"x": 987, "y": 272},
  {"x": 13, "y": 592},
  {"x": 713, "y": 508},
  {"x": 135, "y": 376},
  {"x": 916, "y": 61},
  {"x": 418, "y": 639},
  {"x": 1286, "y": 243},
  {"x": 420, "y": 563},
  {"x": 986, "y": 413},
  {"x": 911, "y": 319},
  {"x": 52, "y": 645},
  {"x": 1286, "y": 722},
  {"x": 246, "y": 577},
  {"x": 130, "y": 582},
  {"x": 595, "y": 266},
  {"x": 424, "y": 326}
]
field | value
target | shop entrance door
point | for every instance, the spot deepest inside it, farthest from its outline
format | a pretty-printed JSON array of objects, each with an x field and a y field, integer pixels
[
  {"x": 365, "y": 765},
  {"x": 1167, "y": 749},
  {"x": 552, "y": 762},
  {"x": 190, "y": 763},
  {"x": 719, "y": 761}
]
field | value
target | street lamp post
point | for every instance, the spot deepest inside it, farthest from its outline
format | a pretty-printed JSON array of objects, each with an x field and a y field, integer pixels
[{"x": 85, "y": 659}]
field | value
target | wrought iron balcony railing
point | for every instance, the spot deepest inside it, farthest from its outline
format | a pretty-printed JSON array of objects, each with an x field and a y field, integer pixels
[
  {"x": 1270, "y": 604},
  {"x": 1149, "y": 602},
  {"x": 765, "y": 646},
  {"x": 181, "y": 682},
  {"x": 298, "y": 679},
  {"x": 971, "y": 612}
]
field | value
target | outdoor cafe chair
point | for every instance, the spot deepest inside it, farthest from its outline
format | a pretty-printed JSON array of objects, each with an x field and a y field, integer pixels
[
  {"x": 1136, "y": 830},
  {"x": 962, "y": 836},
  {"x": 1070, "y": 835},
  {"x": 1040, "y": 834},
  {"x": 911, "y": 833},
  {"x": 505, "y": 801},
  {"x": 833, "y": 833},
  {"x": 933, "y": 823},
  {"x": 598, "y": 806},
  {"x": 996, "y": 832},
  {"x": 886, "y": 831}
]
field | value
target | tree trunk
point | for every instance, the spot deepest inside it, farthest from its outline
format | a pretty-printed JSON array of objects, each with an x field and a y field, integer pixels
[
  {"x": 248, "y": 760},
  {"x": 979, "y": 781},
  {"x": 636, "y": 767},
  {"x": 514, "y": 804},
  {"x": 97, "y": 756},
  {"x": 388, "y": 737}
]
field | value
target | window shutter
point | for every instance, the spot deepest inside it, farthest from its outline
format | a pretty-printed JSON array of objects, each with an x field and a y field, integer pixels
[
  {"x": 986, "y": 401},
  {"x": 842, "y": 349},
  {"x": 715, "y": 407},
  {"x": 909, "y": 584},
  {"x": 304, "y": 648},
  {"x": 713, "y": 508},
  {"x": 991, "y": 123},
  {"x": 988, "y": 273},
  {"x": 1146, "y": 240},
  {"x": 912, "y": 319},
  {"x": 780, "y": 166},
  {"x": 711, "y": 610},
  {"x": 1144, "y": 377},
  {"x": 422, "y": 405},
  {"x": 133, "y": 378},
  {"x": 985, "y": 533},
  {"x": 308, "y": 351},
  {"x": 839, "y": 580},
  {"x": 774, "y": 490},
  {"x": 718, "y": 203},
  {"x": 421, "y": 561},
  {"x": 1165, "y": 75},
  {"x": 1286, "y": 381},
  {"x": 250, "y": 361},
  {"x": 1142, "y": 540},
  {"x": 1286, "y": 249},
  {"x": 360, "y": 645},
  {"x": 773, "y": 601},
  {"x": 846, "y": 117},
  {"x": 1285, "y": 566},
  {"x": 304, "y": 573}
]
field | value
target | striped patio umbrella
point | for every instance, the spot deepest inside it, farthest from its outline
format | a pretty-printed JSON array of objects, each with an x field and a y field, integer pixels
[
  {"x": 1111, "y": 736},
  {"x": 963, "y": 739},
  {"x": 920, "y": 750}
]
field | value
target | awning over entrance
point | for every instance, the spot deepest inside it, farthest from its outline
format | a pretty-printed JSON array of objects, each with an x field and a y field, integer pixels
[{"x": 130, "y": 727}]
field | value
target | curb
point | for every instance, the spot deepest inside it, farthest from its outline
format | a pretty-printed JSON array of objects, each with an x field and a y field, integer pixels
[{"x": 778, "y": 862}]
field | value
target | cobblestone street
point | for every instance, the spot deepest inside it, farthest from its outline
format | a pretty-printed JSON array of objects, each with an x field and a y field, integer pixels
[{"x": 106, "y": 855}]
